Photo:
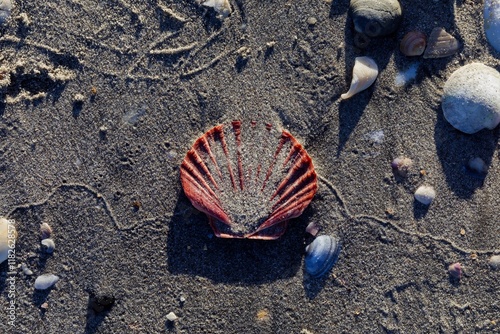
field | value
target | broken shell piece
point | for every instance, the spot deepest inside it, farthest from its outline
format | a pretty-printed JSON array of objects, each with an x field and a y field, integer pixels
[
  {"x": 363, "y": 76},
  {"x": 441, "y": 44},
  {"x": 45, "y": 231},
  {"x": 425, "y": 195},
  {"x": 48, "y": 245},
  {"x": 45, "y": 281},
  {"x": 312, "y": 229},
  {"x": 27, "y": 271},
  {"x": 413, "y": 44},
  {"x": 7, "y": 238},
  {"x": 455, "y": 270},
  {"x": 172, "y": 317},
  {"x": 401, "y": 166},
  {"x": 221, "y": 7}
]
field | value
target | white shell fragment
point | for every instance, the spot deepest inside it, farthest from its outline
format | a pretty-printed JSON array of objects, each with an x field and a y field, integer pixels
[
  {"x": 48, "y": 245},
  {"x": 491, "y": 17},
  {"x": 471, "y": 98},
  {"x": 45, "y": 281},
  {"x": 494, "y": 262},
  {"x": 363, "y": 76},
  {"x": 8, "y": 236},
  {"x": 5, "y": 10},
  {"x": 425, "y": 194},
  {"x": 221, "y": 7},
  {"x": 172, "y": 317},
  {"x": 321, "y": 255},
  {"x": 27, "y": 271}
]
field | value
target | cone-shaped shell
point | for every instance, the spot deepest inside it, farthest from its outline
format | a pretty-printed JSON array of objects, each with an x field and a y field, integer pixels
[
  {"x": 364, "y": 73},
  {"x": 375, "y": 17},
  {"x": 321, "y": 255},
  {"x": 413, "y": 44},
  {"x": 249, "y": 178},
  {"x": 441, "y": 44}
]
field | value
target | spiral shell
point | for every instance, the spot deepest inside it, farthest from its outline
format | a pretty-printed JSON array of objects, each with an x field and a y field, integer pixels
[
  {"x": 413, "y": 43},
  {"x": 375, "y": 17},
  {"x": 364, "y": 74}
]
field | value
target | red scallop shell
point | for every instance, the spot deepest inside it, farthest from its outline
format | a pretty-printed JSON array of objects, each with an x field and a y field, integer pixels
[{"x": 249, "y": 179}]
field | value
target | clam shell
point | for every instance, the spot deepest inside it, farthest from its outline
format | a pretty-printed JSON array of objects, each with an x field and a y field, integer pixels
[
  {"x": 491, "y": 17},
  {"x": 249, "y": 178},
  {"x": 45, "y": 281},
  {"x": 471, "y": 99},
  {"x": 364, "y": 74},
  {"x": 8, "y": 236},
  {"x": 321, "y": 255},
  {"x": 441, "y": 44},
  {"x": 413, "y": 43},
  {"x": 375, "y": 17}
]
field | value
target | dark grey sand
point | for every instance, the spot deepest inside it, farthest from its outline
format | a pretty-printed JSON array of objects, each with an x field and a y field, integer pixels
[{"x": 104, "y": 173}]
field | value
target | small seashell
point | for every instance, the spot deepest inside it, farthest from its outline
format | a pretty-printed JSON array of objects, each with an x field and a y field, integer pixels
[
  {"x": 413, "y": 43},
  {"x": 363, "y": 76},
  {"x": 312, "y": 229},
  {"x": 5, "y": 10},
  {"x": 8, "y": 237},
  {"x": 494, "y": 262},
  {"x": 470, "y": 100},
  {"x": 221, "y": 7},
  {"x": 401, "y": 166},
  {"x": 455, "y": 270},
  {"x": 425, "y": 195},
  {"x": 491, "y": 17},
  {"x": 45, "y": 281},
  {"x": 172, "y": 317},
  {"x": 48, "y": 245},
  {"x": 321, "y": 255},
  {"x": 26, "y": 270},
  {"x": 45, "y": 231},
  {"x": 249, "y": 178},
  {"x": 441, "y": 44},
  {"x": 375, "y": 17}
]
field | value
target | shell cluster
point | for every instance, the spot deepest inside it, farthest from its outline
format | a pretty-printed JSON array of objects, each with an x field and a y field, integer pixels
[
  {"x": 249, "y": 178},
  {"x": 364, "y": 74},
  {"x": 471, "y": 99},
  {"x": 321, "y": 255},
  {"x": 8, "y": 237},
  {"x": 491, "y": 15},
  {"x": 376, "y": 18}
]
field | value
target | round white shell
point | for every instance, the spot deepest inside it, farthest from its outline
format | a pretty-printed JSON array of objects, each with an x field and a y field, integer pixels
[
  {"x": 471, "y": 98},
  {"x": 425, "y": 194},
  {"x": 491, "y": 17},
  {"x": 321, "y": 255},
  {"x": 364, "y": 73},
  {"x": 45, "y": 281}
]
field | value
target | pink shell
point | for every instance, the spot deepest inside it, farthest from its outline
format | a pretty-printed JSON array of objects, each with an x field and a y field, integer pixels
[{"x": 249, "y": 179}]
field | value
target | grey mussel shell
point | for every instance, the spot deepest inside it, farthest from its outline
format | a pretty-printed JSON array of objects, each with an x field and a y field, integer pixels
[
  {"x": 321, "y": 255},
  {"x": 375, "y": 17}
]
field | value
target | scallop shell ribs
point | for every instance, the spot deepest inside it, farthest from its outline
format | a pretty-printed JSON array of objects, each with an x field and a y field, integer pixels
[{"x": 249, "y": 179}]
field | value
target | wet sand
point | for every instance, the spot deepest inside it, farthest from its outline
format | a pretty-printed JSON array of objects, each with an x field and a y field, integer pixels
[{"x": 106, "y": 98}]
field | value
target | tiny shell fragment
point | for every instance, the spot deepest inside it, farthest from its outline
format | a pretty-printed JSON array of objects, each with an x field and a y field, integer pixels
[
  {"x": 48, "y": 245},
  {"x": 441, "y": 44},
  {"x": 45, "y": 231},
  {"x": 455, "y": 270},
  {"x": 495, "y": 262},
  {"x": 221, "y": 7},
  {"x": 171, "y": 316}
]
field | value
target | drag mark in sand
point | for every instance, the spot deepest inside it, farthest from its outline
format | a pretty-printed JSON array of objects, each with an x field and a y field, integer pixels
[{"x": 362, "y": 218}]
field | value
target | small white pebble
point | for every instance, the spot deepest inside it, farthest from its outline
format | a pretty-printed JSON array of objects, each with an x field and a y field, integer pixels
[
  {"x": 45, "y": 281},
  {"x": 182, "y": 299},
  {"x": 495, "y": 262},
  {"x": 78, "y": 98},
  {"x": 26, "y": 270},
  {"x": 425, "y": 194},
  {"x": 171, "y": 316}
]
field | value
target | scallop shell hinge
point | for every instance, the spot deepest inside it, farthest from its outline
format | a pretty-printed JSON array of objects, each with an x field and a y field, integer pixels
[{"x": 249, "y": 178}]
